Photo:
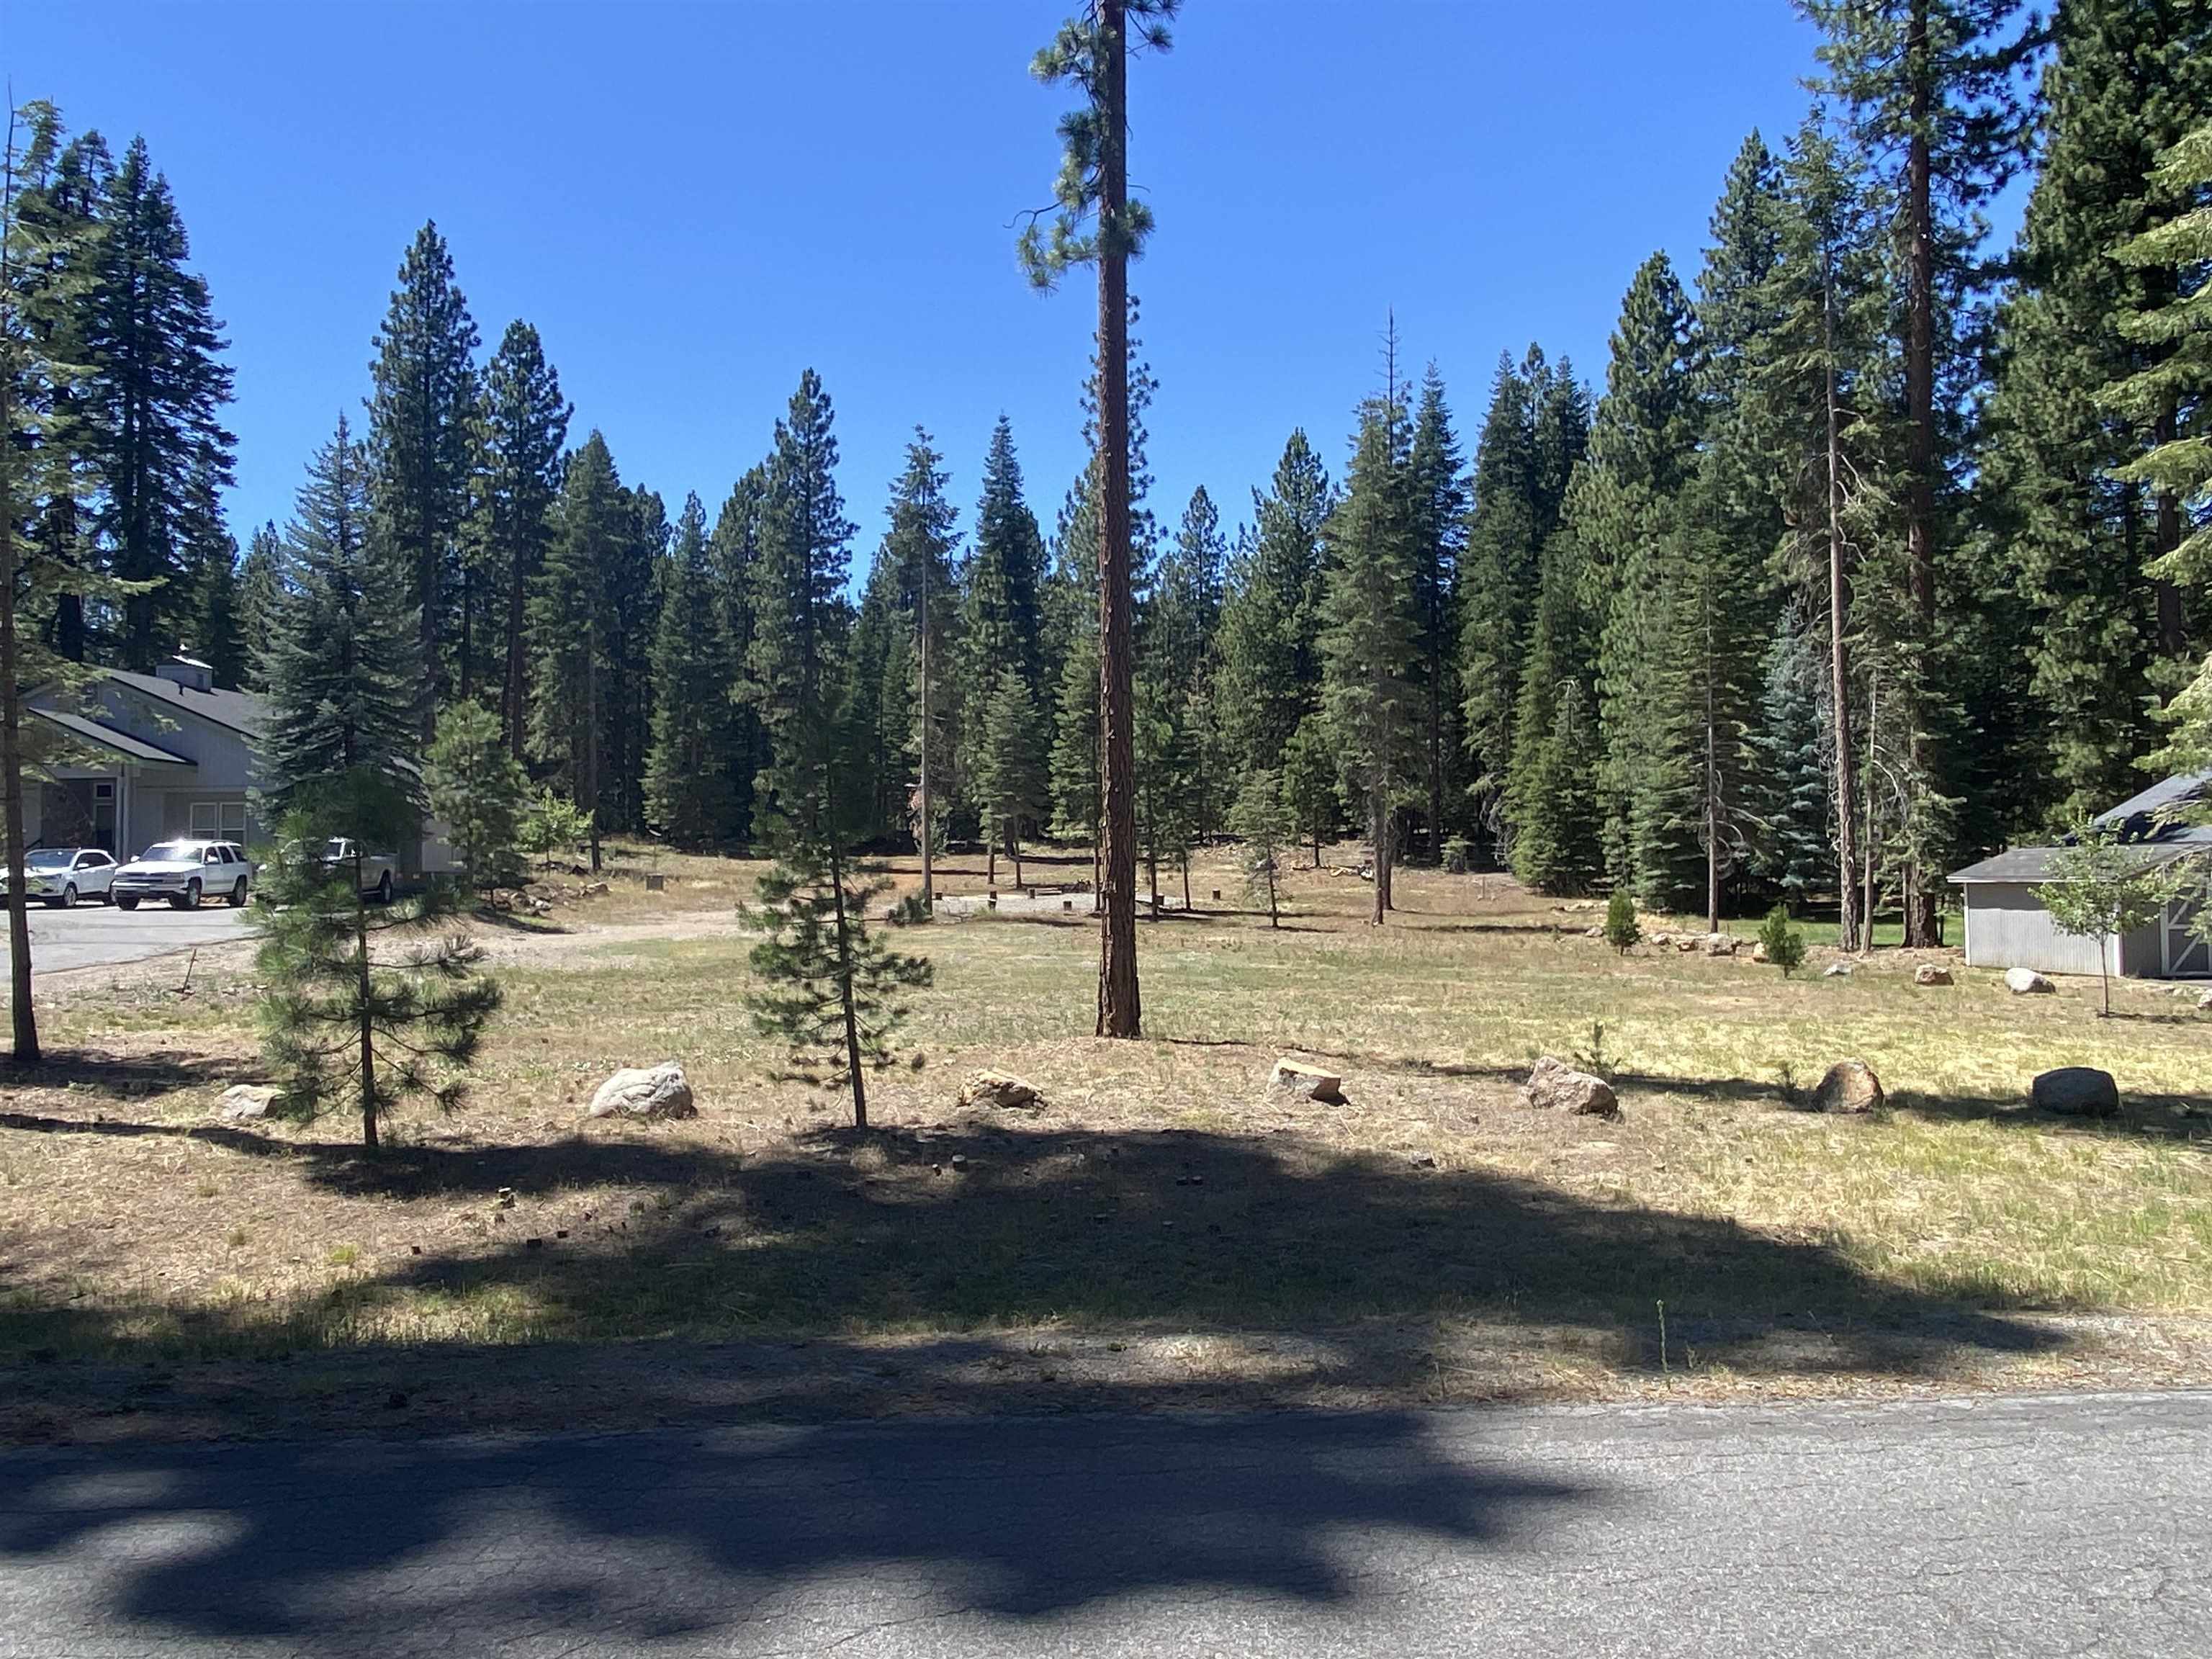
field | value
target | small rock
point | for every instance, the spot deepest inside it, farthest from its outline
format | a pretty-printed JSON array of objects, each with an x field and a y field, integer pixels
[
  {"x": 1661, "y": 939},
  {"x": 658, "y": 1091},
  {"x": 1838, "y": 970},
  {"x": 1759, "y": 950},
  {"x": 1553, "y": 1083},
  {"x": 1850, "y": 1085},
  {"x": 504, "y": 1198},
  {"x": 959, "y": 1160},
  {"x": 1002, "y": 1091},
  {"x": 1594, "y": 933},
  {"x": 1425, "y": 1161},
  {"x": 2075, "y": 1091},
  {"x": 2026, "y": 982},
  {"x": 2205, "y": 1001},
  {"x": 1720, "y": 945},
  {"x": 1303, "y": 1081},
  {"x": 1931, "y": 972},
  {"x": 1687, "y": 946},
  {"x": 243, "y": 1101}
]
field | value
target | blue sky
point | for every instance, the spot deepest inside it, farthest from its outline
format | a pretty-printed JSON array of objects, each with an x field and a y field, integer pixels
[{"x": 693, "y": 203}]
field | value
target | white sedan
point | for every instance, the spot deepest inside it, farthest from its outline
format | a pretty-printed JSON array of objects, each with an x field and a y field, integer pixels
[{"x": 59, "y": 876}]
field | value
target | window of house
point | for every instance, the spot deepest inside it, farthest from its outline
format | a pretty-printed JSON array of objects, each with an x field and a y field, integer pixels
[{"x": 219, "y": 820}]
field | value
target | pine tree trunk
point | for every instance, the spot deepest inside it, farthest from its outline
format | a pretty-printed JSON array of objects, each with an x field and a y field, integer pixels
[
  {"x": 1920, "y": 434},
  {"x": 591, "y": 802},
  {"x": 468, "y": 644},
  {"x": 1186, "y": 883},
  {"x": 1014, "y": 852},
  {"x": 1120, "y": 1010},
  {"x": 23, "y": 1018},
  {"x": 845, "y": 987},
  {"x": 1840, "y": 684},
  {"x": 1867, "y": 858},
  {"x": 990, "y": 862},
  {"x": 1378, "y": 829},
  {"x": 515, "y": 689},
  {"x": 928, "y": 825},
  {"x": 365, "y": 991}
]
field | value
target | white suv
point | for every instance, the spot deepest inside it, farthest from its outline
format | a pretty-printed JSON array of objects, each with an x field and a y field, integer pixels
[{"x": 184, "y": 872}]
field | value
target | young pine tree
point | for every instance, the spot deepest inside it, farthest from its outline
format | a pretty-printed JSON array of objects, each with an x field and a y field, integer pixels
[
  {"x": 826, "y": 987},
  {"x": 477, "y": 790},
  {"x": 371, "y": 1006},
  {"x": 1263, "y": 824},
  {"x": 1309, "y": 782},
  {"x": 525, "y": 429},
  {"x": 1009, "y": 779},
  {"x": 341, "y": 659},
  {"x": 423, "y": 431},
  {"x": 1371, "y": 633},
  {"x": 687, "y": 772}
]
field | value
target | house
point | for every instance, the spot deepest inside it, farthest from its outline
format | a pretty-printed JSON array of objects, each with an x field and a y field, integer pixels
[
  {"x": 138, "y": 758},
  {"x": 2007, "y": 926},
  {"x": 142, "y": 757}
]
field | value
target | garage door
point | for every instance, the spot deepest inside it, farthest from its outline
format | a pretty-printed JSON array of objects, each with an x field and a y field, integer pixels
[{"x": 2188, "y": 953}]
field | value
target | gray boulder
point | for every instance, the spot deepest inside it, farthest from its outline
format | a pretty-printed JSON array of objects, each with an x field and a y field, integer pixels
[
  {"x": 1929, "y": 973},
  {"x": 658, "y": 1091},
  {"x": 2026, "y": 982},
  {"x": 243, "y": 1102},
  {"x": 2076, "y": 1091},
  {"x": 1002, "y": 1091},
  {"x": 1554, "y": 1083},
  {"x": 1303, "y": 1080},
  {"x": 1849, "y": 1085},
  {"x": 1838, "y": 970}
]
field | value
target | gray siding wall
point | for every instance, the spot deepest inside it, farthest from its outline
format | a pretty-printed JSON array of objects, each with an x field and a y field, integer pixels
[
  {"x": 2007, "y": 926},
  {"x": 224, "y": 757}
]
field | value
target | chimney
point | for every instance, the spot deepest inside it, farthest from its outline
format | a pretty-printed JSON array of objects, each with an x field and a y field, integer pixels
[{"x": 189, "y": 673}]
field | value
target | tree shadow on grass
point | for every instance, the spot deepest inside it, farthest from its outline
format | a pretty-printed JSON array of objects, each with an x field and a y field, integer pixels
[
  {"x": 123, "y": 1076},
  {"x": 1035, "y": 1255},
  {"x": 2182, "y": 1118}
]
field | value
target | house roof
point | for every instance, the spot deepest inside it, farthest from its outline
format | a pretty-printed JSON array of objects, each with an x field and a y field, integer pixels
[
  {"x": 2144, "y": 815},
  {"x": 108, "y": 737},
  {"x": 241, "y": 711},
  {"x": 2033, "y": 864}
]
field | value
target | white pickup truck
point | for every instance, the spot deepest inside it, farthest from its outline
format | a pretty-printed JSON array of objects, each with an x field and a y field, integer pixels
[{"x": 375, "y": 875}]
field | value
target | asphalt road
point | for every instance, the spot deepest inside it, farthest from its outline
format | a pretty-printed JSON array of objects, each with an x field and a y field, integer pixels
[
  {"x": 2074, "y": 1526},
  {"x": 100, "y": 935}
]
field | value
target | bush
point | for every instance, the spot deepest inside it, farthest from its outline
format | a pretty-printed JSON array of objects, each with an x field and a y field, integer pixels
[
  {"x": 1458, "y": 855},
  {"x": 1784, "y": 943},
  {"x": 1621, "y": 928}
]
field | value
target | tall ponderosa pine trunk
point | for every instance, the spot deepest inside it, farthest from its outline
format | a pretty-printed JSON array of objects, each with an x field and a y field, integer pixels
[
  {"x": 1839, "y": 681},
  {"x": 23, "y": 1018},
  {"x": 1119, "y": 1009},
  {"x": 1920, "y": 435},
  {"x": 923, "y": 617}
]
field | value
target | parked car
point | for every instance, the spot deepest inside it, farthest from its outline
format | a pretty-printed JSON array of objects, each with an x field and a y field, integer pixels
[
  {"x": 372, "y": 870},
  {"x": 184, "y": 872},
  {"x": 59, "y": 876}
]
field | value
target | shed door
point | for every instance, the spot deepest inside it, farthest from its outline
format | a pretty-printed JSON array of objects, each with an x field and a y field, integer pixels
[{"x": 2188, "y": 954}]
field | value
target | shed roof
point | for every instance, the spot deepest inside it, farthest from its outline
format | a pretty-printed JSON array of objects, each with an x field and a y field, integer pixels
[
  {"x": 108, "y": 737},
  {"x": 2033, "y": 864}
]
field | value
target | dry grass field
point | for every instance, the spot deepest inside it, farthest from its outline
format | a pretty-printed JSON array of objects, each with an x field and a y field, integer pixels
[{"x": 1161, "y": 1232}]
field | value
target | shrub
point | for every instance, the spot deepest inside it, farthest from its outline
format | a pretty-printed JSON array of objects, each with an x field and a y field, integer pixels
[
  {"x": 1621, "y": 928},
  {"x": 1784, "y": 942},
  {"x": 1458, "y": 855}
]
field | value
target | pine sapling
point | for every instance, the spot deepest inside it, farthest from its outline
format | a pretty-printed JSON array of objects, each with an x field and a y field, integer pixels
[
  {"x": 375, "y": 1004},
  {"x": 1261, "y": 820},
  {"x": 830, "y": 991},
  {"x": 1622, "y": 930},
  {"x": 1784, "y": 941}
]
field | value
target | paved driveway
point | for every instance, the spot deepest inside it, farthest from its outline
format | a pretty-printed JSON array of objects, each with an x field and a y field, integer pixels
[
  {"x": 2015, "y": 1527},
  {"x": 100, "y": 936}
]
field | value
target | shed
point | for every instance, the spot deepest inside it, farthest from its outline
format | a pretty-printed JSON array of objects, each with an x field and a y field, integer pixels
[{"x": 2008, "y": 927}]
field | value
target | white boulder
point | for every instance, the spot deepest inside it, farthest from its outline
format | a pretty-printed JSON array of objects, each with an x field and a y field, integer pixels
[
  {"x": 657, "y": 1091},
  {"x": 2026, "y": 982}
]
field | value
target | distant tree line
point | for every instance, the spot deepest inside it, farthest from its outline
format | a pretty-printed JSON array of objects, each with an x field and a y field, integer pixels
[{"x": 1872, "y": 552}]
